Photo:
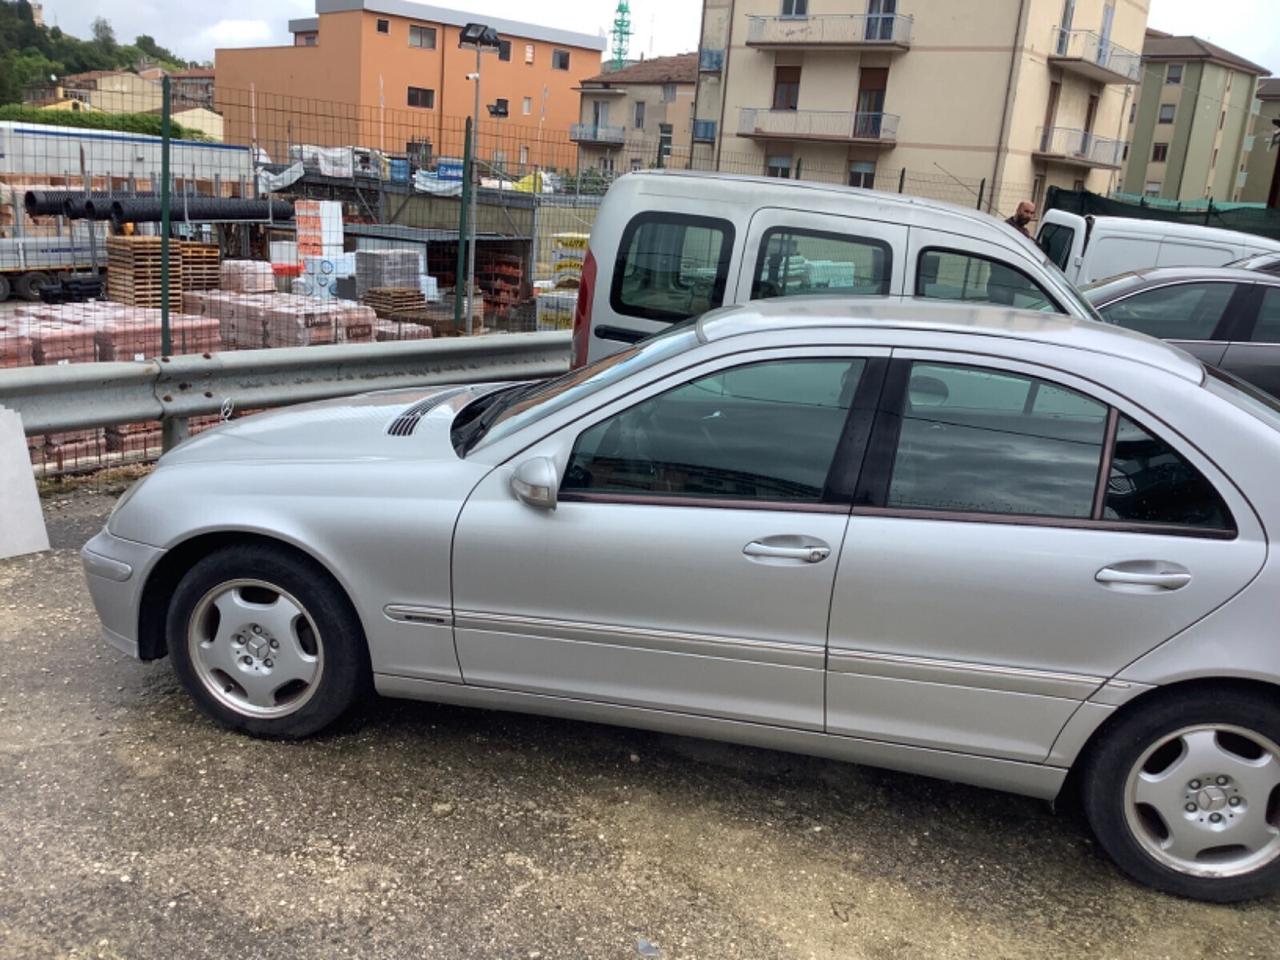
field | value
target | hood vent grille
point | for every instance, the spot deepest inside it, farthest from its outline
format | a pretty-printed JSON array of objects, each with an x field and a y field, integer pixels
[{"x": 405, "y": 424}]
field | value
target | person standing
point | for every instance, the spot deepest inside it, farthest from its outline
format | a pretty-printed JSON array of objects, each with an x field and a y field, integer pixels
[{"x": 1025, "y": 213}]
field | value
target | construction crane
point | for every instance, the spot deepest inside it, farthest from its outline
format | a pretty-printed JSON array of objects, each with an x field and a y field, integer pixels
[{"x": 621, "y": 35}]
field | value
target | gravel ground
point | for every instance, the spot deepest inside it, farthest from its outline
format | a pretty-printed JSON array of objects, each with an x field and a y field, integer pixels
[{"x": 130, "y": 827}]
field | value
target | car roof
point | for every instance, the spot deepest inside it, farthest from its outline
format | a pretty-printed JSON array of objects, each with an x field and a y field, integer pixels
[
  {"x": 1238, "y": 274},
  {"x": 935, "y": 316},
  {"x": 1189, "y": 231},
  {"x": 768, "y": 190}
]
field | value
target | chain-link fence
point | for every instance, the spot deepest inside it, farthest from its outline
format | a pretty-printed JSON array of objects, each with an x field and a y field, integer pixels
[{"x": 294, "y": 222}]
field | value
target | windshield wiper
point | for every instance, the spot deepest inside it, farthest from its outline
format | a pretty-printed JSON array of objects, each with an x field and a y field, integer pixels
[{"x": 495, "y": 404}]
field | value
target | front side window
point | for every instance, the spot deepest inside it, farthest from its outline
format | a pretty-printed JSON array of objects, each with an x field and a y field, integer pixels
[
  {"x": 979, "y": 441},
  {"x": 1182, "y": 311},
  {"x": 794, "y": 262},
  {"x": 424, "y": 37},
  {"x": 671, "y": 266},
  {"x": 1055, "y": 240},
  {"x": 1149, "y": 482},
  {"x": 973, "y": 278},
  {"x": 761, "y": 432}
]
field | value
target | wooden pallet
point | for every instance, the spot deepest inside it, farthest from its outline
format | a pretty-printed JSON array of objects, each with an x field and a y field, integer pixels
[
  {"x": 201, "y": 265},
  {"x": 135, "y": 272},
  {"x": 387, "y": 301}
]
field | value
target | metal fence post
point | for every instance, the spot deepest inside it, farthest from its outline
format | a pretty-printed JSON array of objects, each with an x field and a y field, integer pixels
[
  {"x": 982, "y": 191},
  {"x": 166, "y": 338},
  {"x": 902, "y": 180},
  {"x": 460, "y": 277}
]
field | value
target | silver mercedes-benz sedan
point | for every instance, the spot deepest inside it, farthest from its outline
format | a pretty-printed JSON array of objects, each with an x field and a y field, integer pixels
[{"x": 1009, "y": 549}]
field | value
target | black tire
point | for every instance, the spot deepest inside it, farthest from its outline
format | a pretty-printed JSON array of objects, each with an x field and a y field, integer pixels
[
  {"x": 29, "y": 284},
  {"x": 1106, "y": 770},
  {"x": 346, "y": 675}
]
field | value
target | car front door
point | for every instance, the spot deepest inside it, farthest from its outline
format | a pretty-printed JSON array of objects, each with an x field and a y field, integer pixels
[
  {"x": 1254, "y": 352},
  {"x": 991, "y": 581},
  {"x": 688, "y": 562},
  {"x": 1197, "y": 316}
]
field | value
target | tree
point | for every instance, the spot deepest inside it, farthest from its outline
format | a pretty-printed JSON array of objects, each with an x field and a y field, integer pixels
[{"x": 104, "y": 35}]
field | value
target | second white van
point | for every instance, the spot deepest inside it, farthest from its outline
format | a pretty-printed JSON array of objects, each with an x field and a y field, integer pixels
[
  {"x": 1093, "y": 248},
  {"x": 669, "y": 245}
]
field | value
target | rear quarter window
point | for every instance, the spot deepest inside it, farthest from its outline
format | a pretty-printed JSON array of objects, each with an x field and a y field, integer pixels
[{"x": 671, "y": 266}]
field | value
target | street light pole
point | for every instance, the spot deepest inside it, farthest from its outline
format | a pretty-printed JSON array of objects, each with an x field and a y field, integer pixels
[{"x": 475, "y": 156}]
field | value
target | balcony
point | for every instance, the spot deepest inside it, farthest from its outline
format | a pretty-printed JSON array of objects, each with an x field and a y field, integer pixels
[
  {"x": 831, "y": 126},
  {"x": 1078, "y": 148},
  {"x": 704, "y": 131},
  {"x": 840, "y": 31},
  {"x": 710, "y": 61},
  {"x": 595, "y": 133},
  {"x": 1086, "y": 54}
]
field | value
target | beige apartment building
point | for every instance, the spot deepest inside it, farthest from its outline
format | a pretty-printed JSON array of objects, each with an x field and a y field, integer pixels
[
  {"x": 1262, "y": 184},
  {"x": 1024, "y": 94},
  {"x": 1190, "y": 124},
  {"x": 634, "y": 118}
]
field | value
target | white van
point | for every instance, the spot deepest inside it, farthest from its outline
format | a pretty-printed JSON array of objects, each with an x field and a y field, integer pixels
[
  {"x": 669, "y": 245},
  {"x": 1093, "y": 248}
]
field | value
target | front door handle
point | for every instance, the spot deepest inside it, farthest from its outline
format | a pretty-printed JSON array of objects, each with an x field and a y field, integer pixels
[
  {"x": 807, "y": 553},
  {"x": 1144, "y": 576}
]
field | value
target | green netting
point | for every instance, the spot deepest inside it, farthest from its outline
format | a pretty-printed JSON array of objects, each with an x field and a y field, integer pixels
[{"x": 1262, "y": 221}]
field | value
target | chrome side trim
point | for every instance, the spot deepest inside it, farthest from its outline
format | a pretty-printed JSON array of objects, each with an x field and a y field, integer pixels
[
  {"x": 1042, "y": 683},
  {"x": 663, "y": 641},
  {"x": 408, "y": 613},
  {"x": 1014, "y": 776}
]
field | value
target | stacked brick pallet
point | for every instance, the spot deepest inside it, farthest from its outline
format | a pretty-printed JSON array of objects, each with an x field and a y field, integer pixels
[
  {"x": 388, "y": 301},
  {"x": 201, "y": 265},
  {"x": 250, "y": 322},
  {"x": 500, "y": 277},
  {"x": 387, "y": 268},
  {"x": 134, "y": 271},
  {"x": 246, "y": 276}
]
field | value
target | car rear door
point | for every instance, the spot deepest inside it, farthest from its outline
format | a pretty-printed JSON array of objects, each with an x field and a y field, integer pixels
[
  {"x": 798, "y": 252},
  {"x": 1254, "y": 352},
  {"x": 1196, "y": 315},
  {"x": 998, "y": 568},
  {"x": 688, "y": 563}
]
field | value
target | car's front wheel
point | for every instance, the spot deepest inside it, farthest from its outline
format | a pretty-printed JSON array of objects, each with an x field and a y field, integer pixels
[
  {"x": 266, "y": 642},
  {"x": 1184, "y": 794}
]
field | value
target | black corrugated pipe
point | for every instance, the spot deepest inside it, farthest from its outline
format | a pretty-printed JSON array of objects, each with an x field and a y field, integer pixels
[
  {"x": 201, "y": 210},
  {"x": 46, "y": 203}
]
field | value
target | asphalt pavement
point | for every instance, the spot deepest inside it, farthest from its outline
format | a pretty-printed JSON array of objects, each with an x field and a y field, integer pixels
[{"x": 131, "y": 827}]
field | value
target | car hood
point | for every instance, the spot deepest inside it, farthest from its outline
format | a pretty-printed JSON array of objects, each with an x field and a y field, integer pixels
[{"x": 389, "y": 425}]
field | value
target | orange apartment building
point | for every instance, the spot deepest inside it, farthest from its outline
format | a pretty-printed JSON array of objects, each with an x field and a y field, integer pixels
[{"x": 389, "y": 75}]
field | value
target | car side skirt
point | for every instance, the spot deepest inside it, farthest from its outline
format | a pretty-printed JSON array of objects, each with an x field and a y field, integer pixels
[{"x": 1028, "y": 779}]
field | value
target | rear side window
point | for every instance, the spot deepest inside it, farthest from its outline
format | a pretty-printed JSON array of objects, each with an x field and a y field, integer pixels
[
  {"x": 793, "y": 262},
  {"x": 1267, "y": 329},
  {"x": 1183, "y": 311},
  {"x": 979, "y": 441},
  {"x": 972, "y": 278},
  {"x": 671, "y": 267},
  {"x": 1149, "y": 482},
  {"x": 1055, "y": 240}
]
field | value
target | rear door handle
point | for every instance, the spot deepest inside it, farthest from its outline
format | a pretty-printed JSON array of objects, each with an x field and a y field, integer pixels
[
  {"x": 1151, "y": 574},
  {"x": 811, "y": 553}
]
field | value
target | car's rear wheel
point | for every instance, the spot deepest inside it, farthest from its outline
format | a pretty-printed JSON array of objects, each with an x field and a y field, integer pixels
[
  {"x": 1185, "y": 794},
  {"x": 266, "y": 642}
]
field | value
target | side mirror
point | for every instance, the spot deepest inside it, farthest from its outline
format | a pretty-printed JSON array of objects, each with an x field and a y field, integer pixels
[{"x": 535, "y": 482}]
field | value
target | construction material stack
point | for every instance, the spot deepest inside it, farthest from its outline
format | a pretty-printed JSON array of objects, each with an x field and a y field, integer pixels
[
  {"x": 135, "y": 269},
  {"x": 201, "y": 265}
]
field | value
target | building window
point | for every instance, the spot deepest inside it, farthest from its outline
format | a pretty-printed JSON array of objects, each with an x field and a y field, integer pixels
[
  {"x": 704, "y": 131},
  {"x": 559, "y": 59},
  {"x": 504, "y": 50},
  {"x": 639, "y": 114},
  {"x": 384, "y": 26},
  {"x": 1037, "y": 187},
  {"x": 862, "y": 175},
  {"x": 424, "y": 37},
  {"x": 778, "y": 167},
  {"x": 422, "y": 97},
  {"x": 528, "y": 53},
  {"x": 305, "y": 39},
  {"x": 795, "y": 8},
  {"x": 1159, "y": 152},
  {"x": 1078, "y": 186},
  {"x": 668, "y": 93},
  {"x": 1173, "y": 74},
  {"x": 786, "y": 88},
  {"x": 524, "y": 155},
  {"x": 636, "y": 164},
  {"x": 527, "y": 106},
  {"x": 1152, "y": 188},
  {"x": 1133, "y": 111},
  {"x": 1167, "y": 111},
  {"x": 501, "y": 108}
]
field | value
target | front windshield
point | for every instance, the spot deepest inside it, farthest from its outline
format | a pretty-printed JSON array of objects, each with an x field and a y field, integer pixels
[{"x": 530, "y": 402}]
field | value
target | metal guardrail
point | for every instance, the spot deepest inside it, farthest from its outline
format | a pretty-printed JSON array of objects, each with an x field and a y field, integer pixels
[{"x": 88, "y": 395}]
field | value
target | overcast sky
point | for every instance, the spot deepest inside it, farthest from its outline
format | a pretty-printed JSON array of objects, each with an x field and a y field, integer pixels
[{"x": 1250, "y": 28}]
